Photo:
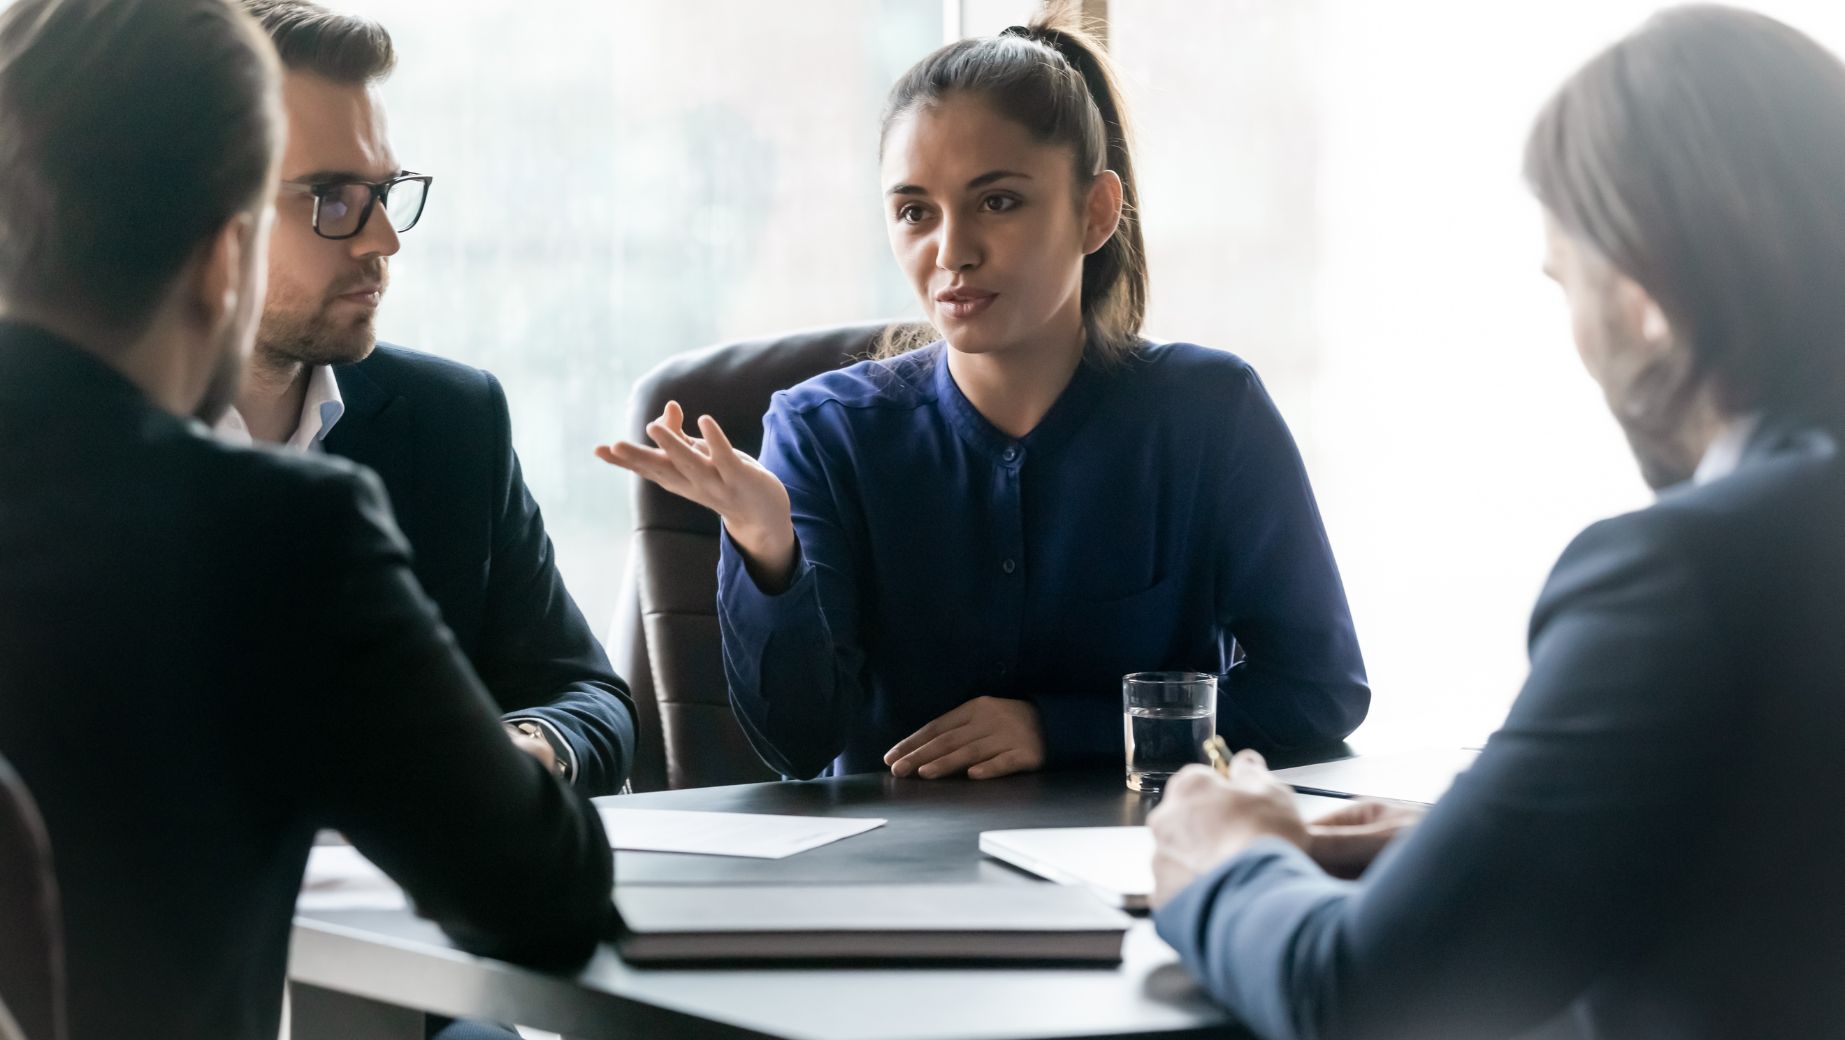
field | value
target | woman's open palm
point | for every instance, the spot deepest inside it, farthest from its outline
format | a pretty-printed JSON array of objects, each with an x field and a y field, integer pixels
[{"x": 707, "y": 470}]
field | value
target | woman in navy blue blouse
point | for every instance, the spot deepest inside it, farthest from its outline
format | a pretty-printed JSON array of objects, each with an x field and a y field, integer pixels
[{"x": 947, "y": 558}]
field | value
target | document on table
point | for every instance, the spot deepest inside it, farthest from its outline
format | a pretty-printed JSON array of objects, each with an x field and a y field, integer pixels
[
  {"x": 1115, "y": 863},
  {"x": 752, "y": 835},
  {"x": 1406, "y": 776},
  {"x": 338, "y": 878}
]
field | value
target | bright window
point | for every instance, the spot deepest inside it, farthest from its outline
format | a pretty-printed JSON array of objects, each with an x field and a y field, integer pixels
[{"x": 1330, "y": 189}]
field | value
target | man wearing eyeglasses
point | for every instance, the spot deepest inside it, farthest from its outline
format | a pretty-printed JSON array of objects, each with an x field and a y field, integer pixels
[{"x": 436, "y": 432}]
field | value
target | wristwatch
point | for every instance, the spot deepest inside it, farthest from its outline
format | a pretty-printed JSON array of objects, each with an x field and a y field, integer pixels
[{"x": 560, "y": 755}]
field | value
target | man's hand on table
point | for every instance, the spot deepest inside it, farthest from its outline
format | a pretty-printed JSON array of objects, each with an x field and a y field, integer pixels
[{"x": 1346, "y": 840}]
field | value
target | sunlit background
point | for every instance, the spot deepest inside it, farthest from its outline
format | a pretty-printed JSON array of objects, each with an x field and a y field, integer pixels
[{"x": 1330, "y": 189}]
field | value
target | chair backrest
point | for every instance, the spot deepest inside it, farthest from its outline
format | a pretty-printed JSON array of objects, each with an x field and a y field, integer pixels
[
  {"x": 31, "y": 943},
  {"x": 665, "y": 641}
]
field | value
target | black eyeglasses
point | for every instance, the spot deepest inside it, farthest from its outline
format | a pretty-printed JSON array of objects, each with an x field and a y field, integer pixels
[{"x": 341, "y": 208}]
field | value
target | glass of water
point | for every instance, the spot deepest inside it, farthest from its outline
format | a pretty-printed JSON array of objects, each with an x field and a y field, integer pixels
[{"x": 1166, "y": 717}]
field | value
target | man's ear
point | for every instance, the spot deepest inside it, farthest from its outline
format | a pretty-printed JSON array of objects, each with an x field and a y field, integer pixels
[
  {"x": 218, "y": 280},
  {"x": 1101, "y": 211},
  {"x": 1643, "y": 316}
]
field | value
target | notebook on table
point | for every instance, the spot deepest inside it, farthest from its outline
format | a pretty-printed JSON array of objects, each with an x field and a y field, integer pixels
[{"x": 663, "y": 924}]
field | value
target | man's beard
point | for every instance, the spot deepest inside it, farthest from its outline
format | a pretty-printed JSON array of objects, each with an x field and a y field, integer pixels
[
  {"x": 1654, "y": 400},
  {"x": 317, "y": 337},
  {"x": 1662, "y": 460}
]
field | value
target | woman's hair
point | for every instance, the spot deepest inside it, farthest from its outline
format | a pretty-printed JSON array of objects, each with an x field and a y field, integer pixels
[
  {"x": 1055, "y": 80},
  {"x": 1704, "y": 157}
]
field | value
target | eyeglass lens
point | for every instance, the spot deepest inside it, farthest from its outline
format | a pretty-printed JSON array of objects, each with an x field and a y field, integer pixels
[{"x": 343, "y": 206}]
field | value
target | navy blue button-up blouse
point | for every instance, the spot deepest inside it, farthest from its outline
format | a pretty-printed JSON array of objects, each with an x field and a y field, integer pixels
[{"x": 1156, "y": 519}]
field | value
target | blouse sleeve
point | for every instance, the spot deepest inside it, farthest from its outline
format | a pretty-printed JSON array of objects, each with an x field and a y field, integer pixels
[
  {"x": 1300, "y": 681},
  {"x": 792, "y": 659}
]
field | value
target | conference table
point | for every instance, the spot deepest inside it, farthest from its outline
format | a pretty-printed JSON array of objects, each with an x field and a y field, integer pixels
[{"x": 371, "y": 974}]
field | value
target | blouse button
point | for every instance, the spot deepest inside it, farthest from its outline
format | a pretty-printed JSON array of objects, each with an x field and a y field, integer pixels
[
  {"x": 1009, "y": 566},
  {"x": 1009, "y": 454}
]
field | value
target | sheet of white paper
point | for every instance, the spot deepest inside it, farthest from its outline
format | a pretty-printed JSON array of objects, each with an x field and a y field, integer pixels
[
  {"x": 1404, "y": 776},
  {"x": 338, "y": 878},
  {"x": 1116, "y": 862},
  {"x": 755, "y": 835}
]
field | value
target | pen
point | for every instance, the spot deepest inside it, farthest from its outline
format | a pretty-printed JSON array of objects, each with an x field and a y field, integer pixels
[{"x": 1219, "y": 754}]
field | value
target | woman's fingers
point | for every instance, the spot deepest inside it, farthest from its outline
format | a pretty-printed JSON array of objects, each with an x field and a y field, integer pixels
[
  {"x": 951, "y": 719},
  {"x": 648, "y": 463},
  {"x": 944, "y": 742},
  {"x": 1005, "y": 763},
  {"x": 712, "y": 454},
  {"x": 722, "y": 452},
  {"x": 684, "y": 465},
  {"x": 917, "y": 739},
  {"x": 634, "y": 457},
  {"x": 678, "y": 448},
  {"x": 952, "y": 762}
]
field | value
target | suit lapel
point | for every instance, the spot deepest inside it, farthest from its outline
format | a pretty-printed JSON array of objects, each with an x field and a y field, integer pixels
[{"x": 375, "y": 432}]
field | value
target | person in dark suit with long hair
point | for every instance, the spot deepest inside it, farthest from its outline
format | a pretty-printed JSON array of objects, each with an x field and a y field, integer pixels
[{"x": 1651, "y": 844}]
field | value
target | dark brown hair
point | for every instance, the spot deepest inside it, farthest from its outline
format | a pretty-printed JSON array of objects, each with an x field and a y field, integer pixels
[
  {"x": 1055, "y": 80},
  {"x": 341, "y": 47},
  {"x": 133, "y": 131},
  {"x": 1704, "y": 157}
]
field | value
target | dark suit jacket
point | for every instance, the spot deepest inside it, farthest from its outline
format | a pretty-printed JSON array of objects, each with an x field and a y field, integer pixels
[
  {"x": 1653, "y": 844},
  {"x": 206, "y": 655},
  {"x": 437, "y": 434}
]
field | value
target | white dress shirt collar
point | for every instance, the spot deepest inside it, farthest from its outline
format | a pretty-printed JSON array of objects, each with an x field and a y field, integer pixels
[
  {"x": 1726, "y": 452},
  {"x": 320, "y": 409}
]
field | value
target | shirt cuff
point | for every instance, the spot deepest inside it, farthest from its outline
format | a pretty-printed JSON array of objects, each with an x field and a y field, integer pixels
[
  {"x": 559, "y": 745},
  {"x": 1183, "y": 920},
  {"x": 749, "y": 611}
]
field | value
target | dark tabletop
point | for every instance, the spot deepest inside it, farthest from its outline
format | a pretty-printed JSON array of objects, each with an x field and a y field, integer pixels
[{"x": 932, "y": 836}]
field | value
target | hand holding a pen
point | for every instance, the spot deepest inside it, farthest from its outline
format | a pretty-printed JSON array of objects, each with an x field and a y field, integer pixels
[{"x": 1209, "y": 815}]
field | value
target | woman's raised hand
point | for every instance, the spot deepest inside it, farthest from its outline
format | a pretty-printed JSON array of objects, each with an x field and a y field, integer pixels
[{"x": 709, "y": 471}]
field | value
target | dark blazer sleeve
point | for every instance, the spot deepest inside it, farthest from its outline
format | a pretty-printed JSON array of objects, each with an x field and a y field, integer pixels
[
  {"x": 537, "y": 653},
  {"x": 1540, "y": 868},
  {"x": 402, "y": 750}
]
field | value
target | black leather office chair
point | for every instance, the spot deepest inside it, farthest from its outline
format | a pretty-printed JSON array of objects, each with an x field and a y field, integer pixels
[
  {"x": 665, "y": 641},
  {"x": 31, "y": 932}
]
